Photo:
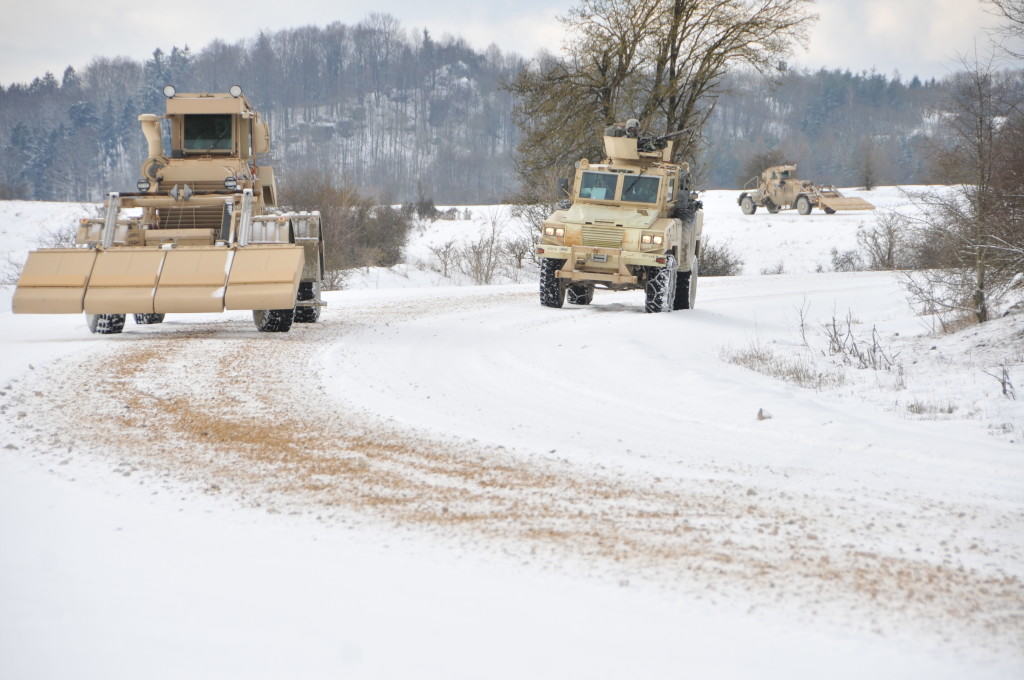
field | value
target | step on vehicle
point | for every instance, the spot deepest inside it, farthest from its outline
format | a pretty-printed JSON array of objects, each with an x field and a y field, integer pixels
[
  {"x": 631, "y": 222},
  {"x": 200, "y": 235}
]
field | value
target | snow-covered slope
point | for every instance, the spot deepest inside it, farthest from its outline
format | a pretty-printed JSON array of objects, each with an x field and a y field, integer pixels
[{"x": 454, "y": 482}]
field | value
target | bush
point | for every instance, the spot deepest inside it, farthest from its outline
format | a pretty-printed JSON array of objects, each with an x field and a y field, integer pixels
[
  {"x": 799, "y": 371},
  {"x": 846, "y": 261},
  {"x": 357, "y": 231},
  {"x": 884, "y": 246},
  {"x": 716, "y": 260}
]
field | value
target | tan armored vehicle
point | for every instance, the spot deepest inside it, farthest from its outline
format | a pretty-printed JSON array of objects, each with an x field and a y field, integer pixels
[
  {"x": 632, "y": 223},
  {"x": 198, "y": 235},
  {"x": 778, "y": 189}
]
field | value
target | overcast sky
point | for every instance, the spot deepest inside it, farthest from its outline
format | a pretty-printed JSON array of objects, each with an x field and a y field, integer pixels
[{"x": 914, "y": 37}]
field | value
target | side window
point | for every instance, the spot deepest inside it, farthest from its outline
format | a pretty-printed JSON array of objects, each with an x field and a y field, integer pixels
[{"x": 598, "y": 186}]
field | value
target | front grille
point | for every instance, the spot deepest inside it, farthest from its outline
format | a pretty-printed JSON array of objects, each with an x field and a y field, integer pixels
[
  {"x": 601, "y": 236},
  {"x": 206, "y": 217}
]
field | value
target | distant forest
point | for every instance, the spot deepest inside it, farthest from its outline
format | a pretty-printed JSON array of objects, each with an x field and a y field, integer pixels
[{"x": 403, "y": 116}]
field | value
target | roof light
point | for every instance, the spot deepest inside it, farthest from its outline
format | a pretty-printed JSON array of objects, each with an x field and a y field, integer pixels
[
  {"x": 169, "y": 91},
  {"x": 236, "y": 91}
]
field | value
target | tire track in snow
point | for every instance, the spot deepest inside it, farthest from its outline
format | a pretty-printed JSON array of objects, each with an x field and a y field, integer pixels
[{"x": 231, "y": 411}]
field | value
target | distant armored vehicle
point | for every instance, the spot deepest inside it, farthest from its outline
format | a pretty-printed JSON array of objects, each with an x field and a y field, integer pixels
[
  {"x": 197, "y": 236},
  {"x": 632, "y": 223},
  {"x": 778, "y": 189}
]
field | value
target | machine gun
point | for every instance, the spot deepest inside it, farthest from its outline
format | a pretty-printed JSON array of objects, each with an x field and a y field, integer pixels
[{"x": 649, "y": 143}]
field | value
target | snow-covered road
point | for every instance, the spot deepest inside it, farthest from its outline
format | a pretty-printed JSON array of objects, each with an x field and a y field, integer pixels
[{"x": 461, "y": 483}]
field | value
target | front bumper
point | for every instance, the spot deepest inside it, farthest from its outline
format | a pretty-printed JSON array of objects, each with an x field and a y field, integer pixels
[{"x": 591, "y": 263}]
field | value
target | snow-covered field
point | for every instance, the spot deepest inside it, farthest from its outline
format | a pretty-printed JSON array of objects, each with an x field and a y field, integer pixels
[{"x": 448, "y": 481}]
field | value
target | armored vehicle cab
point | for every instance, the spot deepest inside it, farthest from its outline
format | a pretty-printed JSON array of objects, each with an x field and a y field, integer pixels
[
  {"x": 198, "y": 235},
  {"x": 633, "y": 223}
]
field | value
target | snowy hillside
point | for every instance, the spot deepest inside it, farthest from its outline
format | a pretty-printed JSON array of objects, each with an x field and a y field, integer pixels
[{"x": 451, "y": 481}]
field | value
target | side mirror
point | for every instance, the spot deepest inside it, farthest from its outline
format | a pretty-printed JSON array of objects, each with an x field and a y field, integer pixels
[{"x": 563, "y": 186}]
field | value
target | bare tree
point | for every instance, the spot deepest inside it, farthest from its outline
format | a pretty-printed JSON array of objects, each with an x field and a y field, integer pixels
[
  {"x": 966, "y": 240},
  {"x": 1012, "y": 12},
  {"x": 445, "y": 254},
  {"x": 661, "y": 60}
]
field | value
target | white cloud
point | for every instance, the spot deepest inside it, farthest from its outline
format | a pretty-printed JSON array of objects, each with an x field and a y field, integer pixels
[{"x": 915, "y": 37}]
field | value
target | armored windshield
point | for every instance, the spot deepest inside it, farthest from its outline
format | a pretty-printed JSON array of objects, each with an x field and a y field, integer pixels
[
  {"x": 598, "y": 186},
  {"x": 208, "y": 132},
  {"x": 640, "y": 189}
]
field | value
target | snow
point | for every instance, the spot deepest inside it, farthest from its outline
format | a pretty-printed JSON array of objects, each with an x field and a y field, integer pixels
[{"x": 483, "y": 487}]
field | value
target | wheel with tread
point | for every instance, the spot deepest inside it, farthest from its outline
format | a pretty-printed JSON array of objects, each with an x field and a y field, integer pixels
[
  {"x": 772, "y": 208},
  {"x": 803, "y": 205},
  {"x": 686, "y": 288},
  {"x": 273, "y": 320},
  {"x": 105, "y": 324},
  {"x": 145, "y": 319},
  {"x": 579, "y": 294},
  {"x": 661, "y": 287},
  {"x": 552, "y": 288},
  {"x": 303, "y": 314},
  {"x": 748, "y": 206}
]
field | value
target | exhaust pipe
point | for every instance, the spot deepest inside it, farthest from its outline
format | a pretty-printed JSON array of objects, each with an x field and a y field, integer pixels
[{"x": 151, "y": 129}]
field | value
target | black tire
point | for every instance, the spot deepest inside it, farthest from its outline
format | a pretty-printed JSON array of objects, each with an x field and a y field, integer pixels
[
  {"x": 273, "y": 320},
  {"x": 145, "y": 319},
  {"x": 579, "y": 294},
  {"x": 303, "y": 314},
  {"x": 803, "y": 205},
  {"x": 748, "y": 206},
  {"x": 552, "y": 288},
  {"x": 661, "y": 287},
  {"x": 828, "y": 210},
  {"x": 105, "y": 324},
  {"x": 772, "y": 208},
  {"x": 686, "y": 288}
]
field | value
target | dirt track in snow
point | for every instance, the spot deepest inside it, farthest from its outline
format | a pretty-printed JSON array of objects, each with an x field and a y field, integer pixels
[{"x": 229, "y": 411}]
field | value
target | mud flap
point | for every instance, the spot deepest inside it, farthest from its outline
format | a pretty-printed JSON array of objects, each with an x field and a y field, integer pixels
[
  {"x": 124, "y": 281},
  {"x": 264, "y": 277},
  {"x": 193, "y": 280},
  {"x": 53, "y": 281}
]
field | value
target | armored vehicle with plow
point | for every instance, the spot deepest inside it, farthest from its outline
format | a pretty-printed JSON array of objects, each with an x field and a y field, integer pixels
[
  {"x": 200, "y": 234},
  {"x": 631, "y": 223},
  {"x": 779, "y": 189}
]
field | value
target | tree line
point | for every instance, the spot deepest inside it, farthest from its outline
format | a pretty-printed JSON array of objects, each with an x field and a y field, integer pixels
[{"x": 402, "y": 116}]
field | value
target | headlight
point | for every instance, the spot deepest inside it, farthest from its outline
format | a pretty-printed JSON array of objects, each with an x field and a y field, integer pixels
[
  {"x": 230, "y": 183},
  {"x": 549, "y": 231},
  {"x": 169, "y": 91},
  {"x": 559, "y": 232},
  {"x": 646, "y": 238},
  {"x": 142, "y": 185},
  {"x": 658, "y": 240}
]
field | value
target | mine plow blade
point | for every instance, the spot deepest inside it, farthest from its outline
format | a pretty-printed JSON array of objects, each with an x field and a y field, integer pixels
[
  {"x": 264, "y": 277},
  {"x": 845, "y": 203},
  {"x": 124, "y": 281},
  {"x": 54, "y": 281},
  {"x": 193, "y": 280}
]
